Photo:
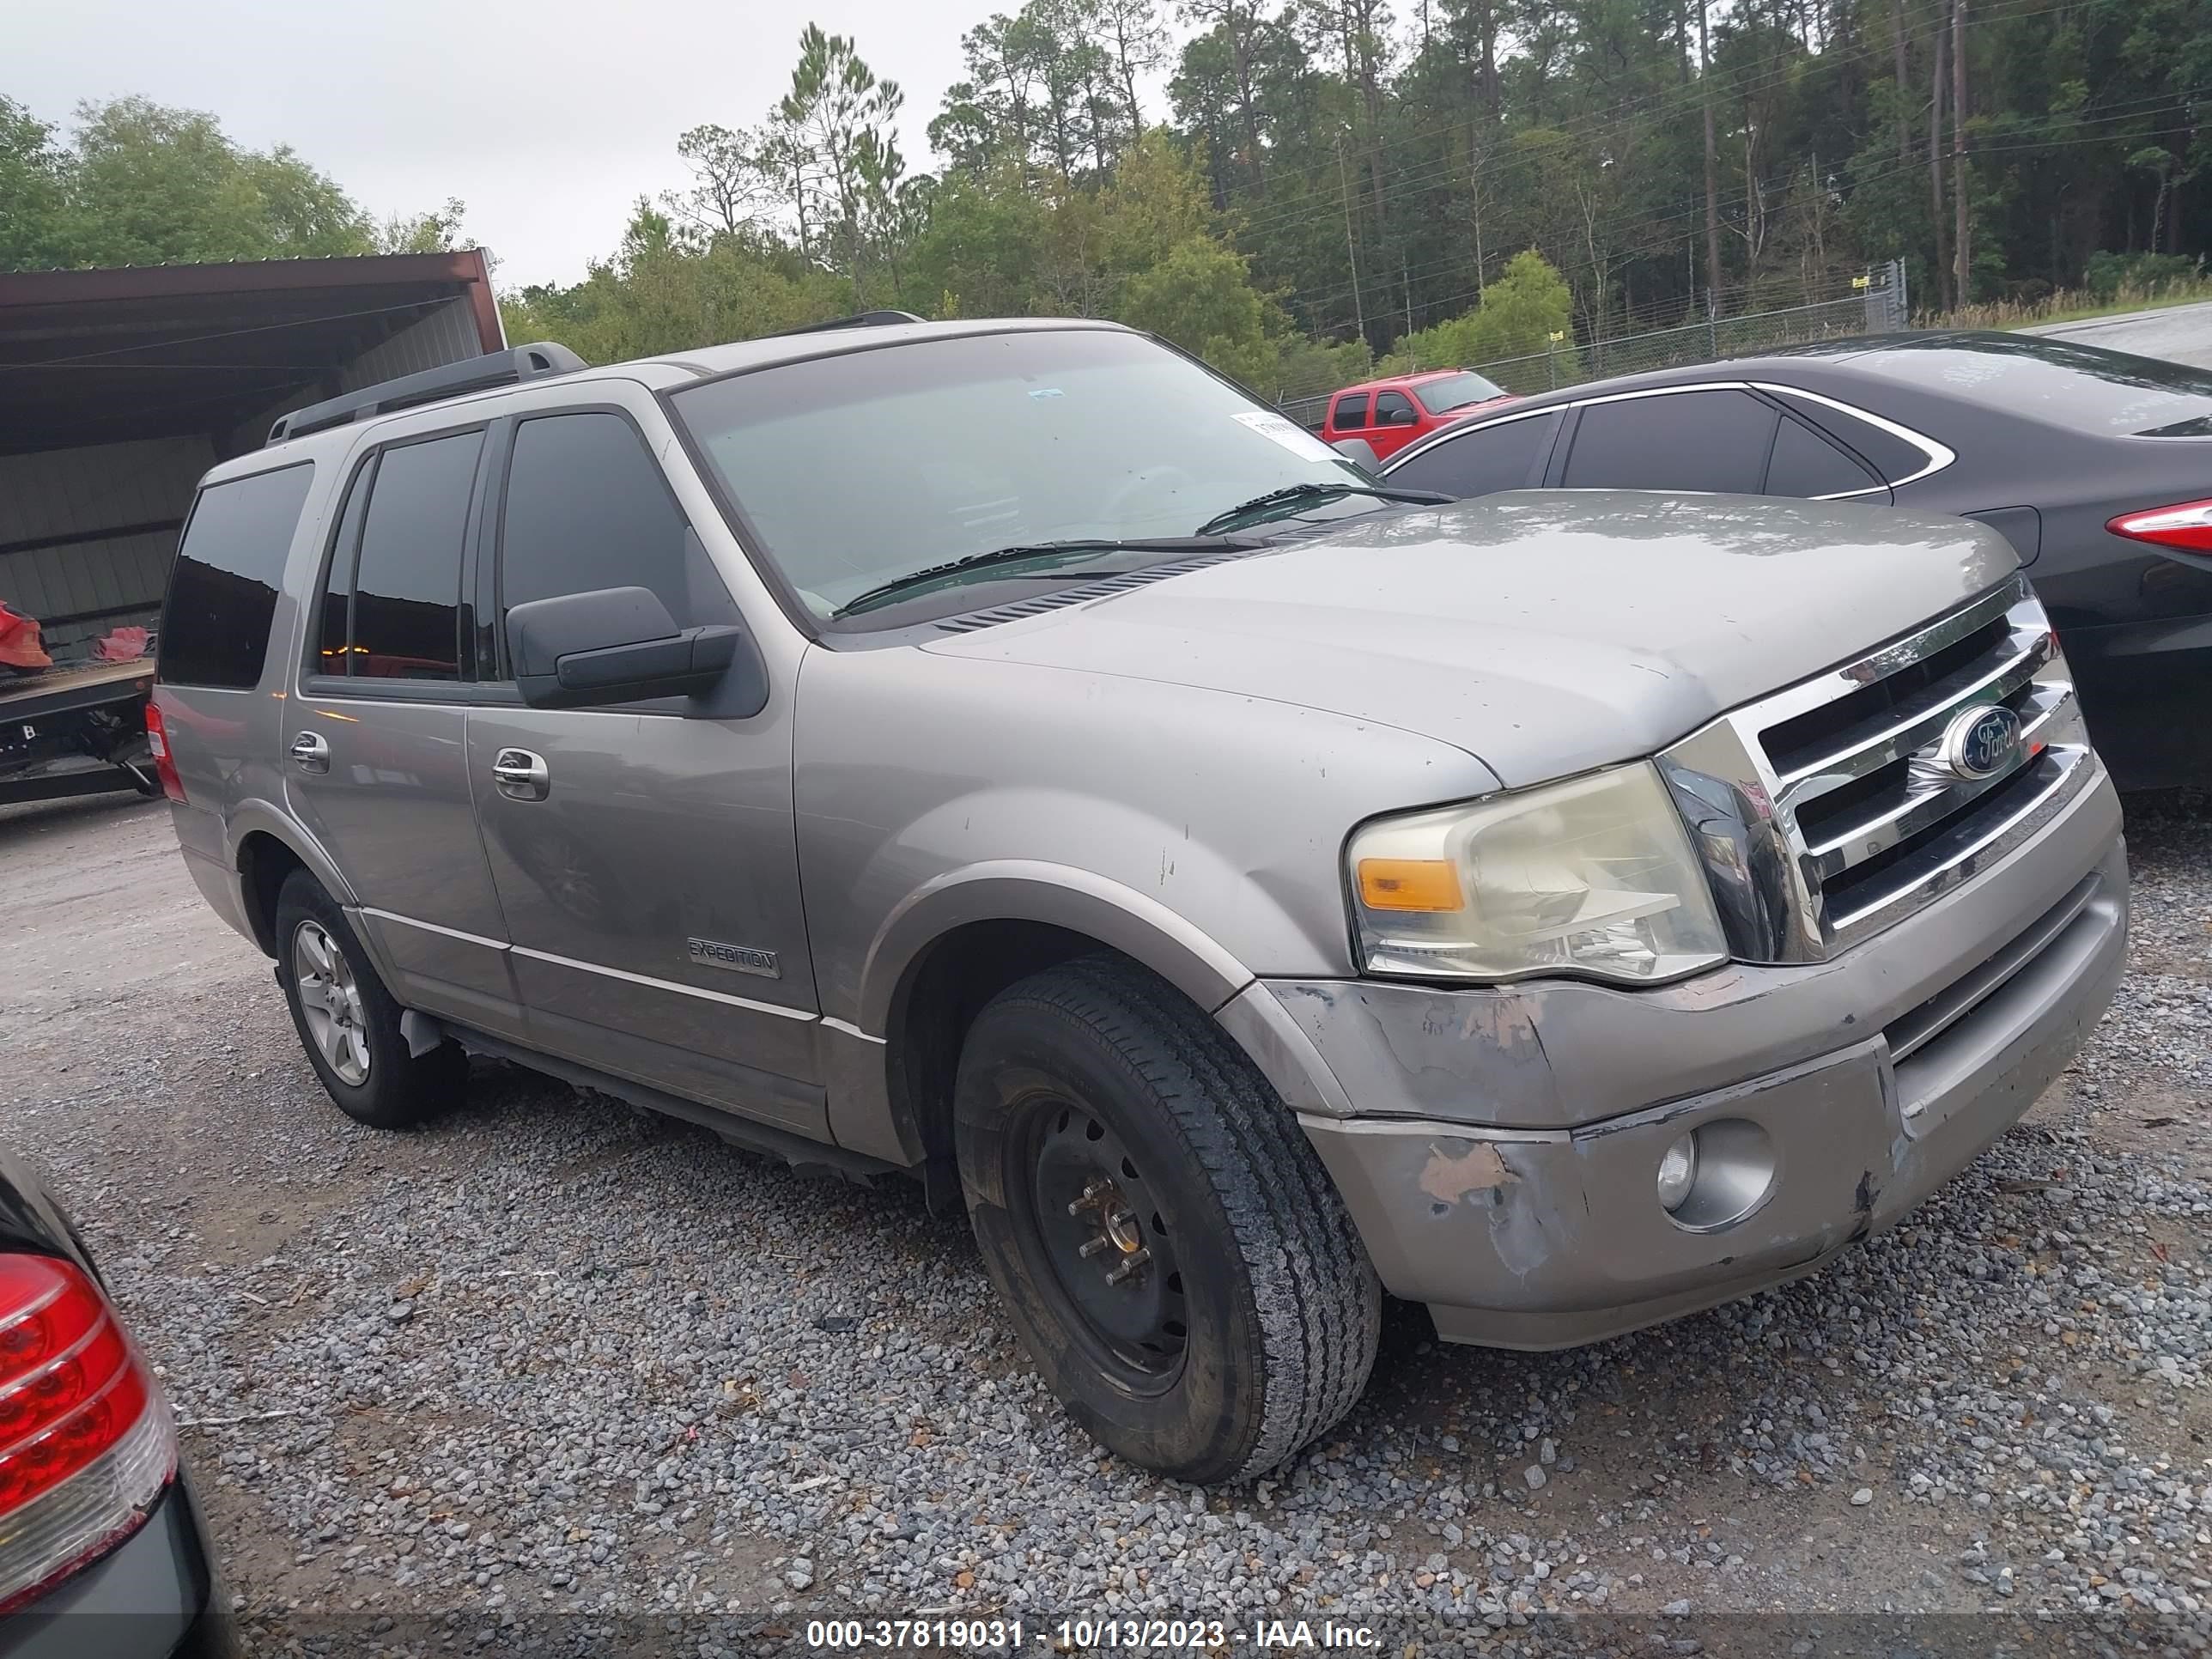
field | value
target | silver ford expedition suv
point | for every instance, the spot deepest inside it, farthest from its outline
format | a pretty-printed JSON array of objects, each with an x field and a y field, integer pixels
[{"x": 1005, "y": 754}]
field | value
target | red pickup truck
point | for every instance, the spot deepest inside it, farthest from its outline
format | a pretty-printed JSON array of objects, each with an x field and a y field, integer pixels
[{"x": 1389, "y": 413}]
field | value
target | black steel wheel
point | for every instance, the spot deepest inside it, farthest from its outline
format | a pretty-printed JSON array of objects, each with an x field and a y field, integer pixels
[
  {"x": 1183, "y": 1272},
  {"x": 1103, "y": 1240}
]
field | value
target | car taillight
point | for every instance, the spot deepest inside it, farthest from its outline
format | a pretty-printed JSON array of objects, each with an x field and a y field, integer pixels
[
  {"x": 2187, "y": 525},
  {"x": 87, "y": 1443},
  {"x": 157, "y": 740}
]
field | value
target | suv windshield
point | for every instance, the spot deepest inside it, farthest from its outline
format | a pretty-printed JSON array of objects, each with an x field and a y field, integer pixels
[
  {"x": 1456, "y": 392},
  {"x": 853, "y": 470}
]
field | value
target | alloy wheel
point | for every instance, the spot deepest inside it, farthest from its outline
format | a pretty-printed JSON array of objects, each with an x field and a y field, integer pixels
[{"x": 330, "y": 1001}]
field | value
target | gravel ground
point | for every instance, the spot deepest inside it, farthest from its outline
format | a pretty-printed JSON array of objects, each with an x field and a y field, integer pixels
[{"x": 555, "y": 1372}]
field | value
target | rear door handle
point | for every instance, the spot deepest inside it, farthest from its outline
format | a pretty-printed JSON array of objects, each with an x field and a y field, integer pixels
[
  {"x": 310, "y": 753},
  {"x": 521, "y": 776}
]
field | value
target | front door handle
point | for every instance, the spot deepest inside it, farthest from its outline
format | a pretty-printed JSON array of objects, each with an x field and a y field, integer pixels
[
  {"x": 310, "y": 753},
  {"x": 521, "y": 776}
]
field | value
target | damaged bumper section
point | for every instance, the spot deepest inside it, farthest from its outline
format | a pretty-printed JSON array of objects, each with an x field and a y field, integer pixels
[{"x": 1502, "y": 1152}]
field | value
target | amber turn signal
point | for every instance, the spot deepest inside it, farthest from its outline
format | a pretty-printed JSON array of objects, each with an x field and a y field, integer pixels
[{"x": 1409, "y": 884}]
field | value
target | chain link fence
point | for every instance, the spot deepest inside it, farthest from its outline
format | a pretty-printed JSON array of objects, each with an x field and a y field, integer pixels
[{"x": 1873, "y": 304}]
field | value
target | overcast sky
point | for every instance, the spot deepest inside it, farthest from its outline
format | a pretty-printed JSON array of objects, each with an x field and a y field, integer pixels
[{"x": 547, "y": 119}]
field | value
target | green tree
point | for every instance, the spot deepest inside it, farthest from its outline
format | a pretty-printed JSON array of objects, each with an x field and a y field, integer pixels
[
  {"x": 661, "y": 292},
  {"x": 438, "y": 232},
  {"x": 35, "y": 228},
  {"x": 840, "y": 115},
  {"x": 1200, "y": 297},
  {"x": 1527, "y": 313},
  {"x": 148, "y": 185}
]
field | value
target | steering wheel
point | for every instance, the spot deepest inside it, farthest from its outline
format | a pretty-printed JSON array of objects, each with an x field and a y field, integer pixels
[{"x": 1148, "y": 477}]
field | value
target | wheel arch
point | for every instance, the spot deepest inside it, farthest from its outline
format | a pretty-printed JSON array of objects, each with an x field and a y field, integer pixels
[
  {"x": 963, "y": 940},
  {"x": 265, "y": 848}
]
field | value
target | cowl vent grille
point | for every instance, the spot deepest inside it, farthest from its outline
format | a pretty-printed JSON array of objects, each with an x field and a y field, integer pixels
[{"x": 970, "y": 621}]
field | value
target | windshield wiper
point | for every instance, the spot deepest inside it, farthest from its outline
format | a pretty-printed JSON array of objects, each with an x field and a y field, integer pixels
[
  {"x": 1313, "y": 491},
  {"x": 883, "y": 591}
]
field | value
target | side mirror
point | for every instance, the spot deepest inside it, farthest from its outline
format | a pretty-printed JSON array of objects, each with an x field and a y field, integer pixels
[
  {"x": 1358, "y": 449},
  {"x": 612, "y": 645},
  {"x": 1398, "y": 417}
]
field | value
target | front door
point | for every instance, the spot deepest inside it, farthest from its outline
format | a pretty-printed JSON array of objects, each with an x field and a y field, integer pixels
[
  {"x": 645, "y": 856},
  {"x": 376, "y": 732}
]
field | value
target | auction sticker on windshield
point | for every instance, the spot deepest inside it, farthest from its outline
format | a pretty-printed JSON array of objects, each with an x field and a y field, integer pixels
[{"x": 1287, "y": 432}]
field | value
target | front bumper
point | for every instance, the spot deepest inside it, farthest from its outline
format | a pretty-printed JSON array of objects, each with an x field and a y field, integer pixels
[{"x": 1522, "y": 1230}]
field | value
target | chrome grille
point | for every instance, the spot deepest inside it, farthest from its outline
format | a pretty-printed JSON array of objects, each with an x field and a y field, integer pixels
[{"x": 1831, "y": 810}]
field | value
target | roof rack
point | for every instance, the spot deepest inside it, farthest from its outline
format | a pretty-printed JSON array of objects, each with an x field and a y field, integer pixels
[
  {"x": 861, "y": 319},
  {"x": 509, "y": 367}
]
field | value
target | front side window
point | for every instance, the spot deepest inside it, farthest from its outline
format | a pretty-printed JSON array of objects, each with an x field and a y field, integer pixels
[
  {"x": 1393, "y": 409},
  {"x": 853, "y": 470},
  {"x": 1351, "y": 414},
  {"x": 1508, "y": 456},
  {"x": 1704, "y": 440},
  {"x": 407, "y": 585},
  {"x": 1457, "y": 391},
  {"x": 223, "y": 591},
  {"x": 588, "y": 508}
]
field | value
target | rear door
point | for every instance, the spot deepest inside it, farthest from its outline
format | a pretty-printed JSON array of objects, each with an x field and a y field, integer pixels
[
  {"x": 1347, "y": 416},
  {"x": 649, "y": 875},
  {"x": 375, "y": 758}
]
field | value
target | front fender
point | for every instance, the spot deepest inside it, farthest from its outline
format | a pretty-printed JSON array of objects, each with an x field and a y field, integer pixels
[
  {"x": 1061, "y": 895},
  {"x": 1138, "y": 926}
]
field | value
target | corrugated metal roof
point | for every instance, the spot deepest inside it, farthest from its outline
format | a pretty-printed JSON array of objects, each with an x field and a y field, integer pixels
[{"x": 143, "y": 351}]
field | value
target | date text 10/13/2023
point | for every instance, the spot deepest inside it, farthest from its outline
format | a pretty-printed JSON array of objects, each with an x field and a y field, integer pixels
[{"x": 1086, "y": 1635}]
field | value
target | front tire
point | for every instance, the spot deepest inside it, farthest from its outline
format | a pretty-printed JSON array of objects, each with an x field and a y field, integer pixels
[
  {"x": 347, "y": 1021},
  {"x": 1184, "y": 1275}
]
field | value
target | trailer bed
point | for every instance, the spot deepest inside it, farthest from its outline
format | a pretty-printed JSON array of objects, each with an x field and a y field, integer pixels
[{"x": 75, "y": 729}]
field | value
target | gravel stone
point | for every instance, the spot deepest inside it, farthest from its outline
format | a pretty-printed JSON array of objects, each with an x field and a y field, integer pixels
[{"x": 554, "y": 1355}]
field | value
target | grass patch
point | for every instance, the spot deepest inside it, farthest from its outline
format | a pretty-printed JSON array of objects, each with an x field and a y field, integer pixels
[{"x": 2070, "y": 305}]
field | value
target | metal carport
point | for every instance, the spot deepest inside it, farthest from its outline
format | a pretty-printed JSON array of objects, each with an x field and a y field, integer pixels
[{"x": 120, "y": 387}]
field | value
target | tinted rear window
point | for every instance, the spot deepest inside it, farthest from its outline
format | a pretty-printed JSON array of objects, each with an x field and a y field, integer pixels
[
  {"x": 2083, "y": 387},
  {"x": 1891, "y": 456},
  {"x": 223, "y": 592},
  {"x": 407, "y": 588},
  {"x": 1806, "y": 463}
]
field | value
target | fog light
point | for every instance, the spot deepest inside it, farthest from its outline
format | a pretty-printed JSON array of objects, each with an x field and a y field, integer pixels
[
  {"x": 1678, "y": 1172},
  {"x": 1718, "y": 1173}
]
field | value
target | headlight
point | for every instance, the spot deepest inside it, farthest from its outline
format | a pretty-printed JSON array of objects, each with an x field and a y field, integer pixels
[{"x": 1592, "y": 877}]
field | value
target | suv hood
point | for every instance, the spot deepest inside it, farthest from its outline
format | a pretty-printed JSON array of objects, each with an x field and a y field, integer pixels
[{"x": 1545, "y": 632}]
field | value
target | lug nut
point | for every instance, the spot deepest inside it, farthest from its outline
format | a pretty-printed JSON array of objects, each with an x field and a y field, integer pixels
[
  {"x": 1130, "y": 1263},
  {"x": 1090, "y": 1248}
]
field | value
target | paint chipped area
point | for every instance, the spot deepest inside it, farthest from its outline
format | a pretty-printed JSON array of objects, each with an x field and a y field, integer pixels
[{"x": 1450, "y": 1176}]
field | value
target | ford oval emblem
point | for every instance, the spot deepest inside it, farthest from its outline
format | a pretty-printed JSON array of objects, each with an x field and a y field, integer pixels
[{"x": 1981, "y": 742}]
